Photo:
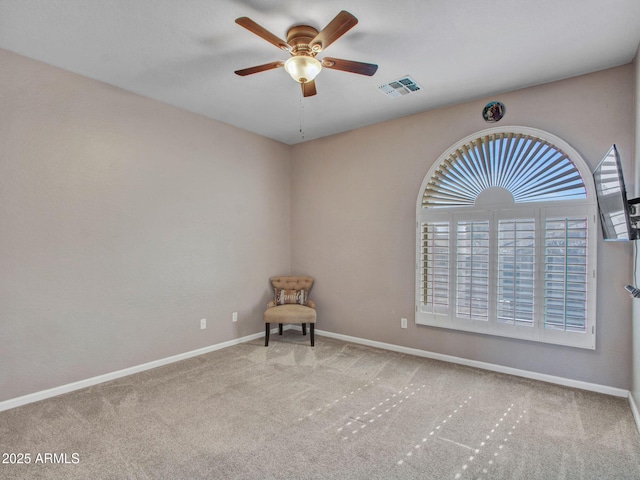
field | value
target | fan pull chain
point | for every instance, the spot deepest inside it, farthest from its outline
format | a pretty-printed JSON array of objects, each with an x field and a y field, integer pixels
[{"x": 301, "y": 116}]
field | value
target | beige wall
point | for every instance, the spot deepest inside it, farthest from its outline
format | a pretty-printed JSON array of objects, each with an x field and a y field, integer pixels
[
  {"x": 123, "y": 222},
  {"x": 353, "y": 220}
]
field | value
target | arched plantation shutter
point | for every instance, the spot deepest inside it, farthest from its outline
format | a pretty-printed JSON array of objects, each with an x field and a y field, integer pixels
[
  {"x": 505, "y": 240},
  {"x": 531, "y": 169}
]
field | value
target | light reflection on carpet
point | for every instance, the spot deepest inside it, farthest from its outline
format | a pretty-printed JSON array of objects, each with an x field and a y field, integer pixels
[
  {"x": 337, "y": 400},
  {"x": 483, "y": 456}
]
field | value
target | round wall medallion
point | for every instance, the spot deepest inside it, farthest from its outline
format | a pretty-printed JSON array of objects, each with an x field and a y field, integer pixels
[{"x": 493, "y": 112}]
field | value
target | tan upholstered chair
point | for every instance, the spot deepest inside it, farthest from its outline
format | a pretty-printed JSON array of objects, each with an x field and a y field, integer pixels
[{"x": 290, "y": 305}]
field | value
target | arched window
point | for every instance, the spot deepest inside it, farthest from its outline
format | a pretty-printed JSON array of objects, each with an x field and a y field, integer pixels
[{"x": 506, "y": 239}]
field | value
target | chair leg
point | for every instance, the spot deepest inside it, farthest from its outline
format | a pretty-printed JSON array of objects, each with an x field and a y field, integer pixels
[
  {"x": 267, "y": 331},
  {"x": 304, "y": 328},
  {"x": 279, "y": 329},
  {"x": 311, "y": 331}
]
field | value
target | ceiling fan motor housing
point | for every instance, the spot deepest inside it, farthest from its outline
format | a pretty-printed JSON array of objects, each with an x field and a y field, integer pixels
[{"x": 299, "y": 38}]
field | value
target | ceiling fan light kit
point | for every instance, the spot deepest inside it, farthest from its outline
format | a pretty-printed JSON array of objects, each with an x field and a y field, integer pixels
[
  {"x": 303, "y": 43},
  {"x": 303, "y": 69}
]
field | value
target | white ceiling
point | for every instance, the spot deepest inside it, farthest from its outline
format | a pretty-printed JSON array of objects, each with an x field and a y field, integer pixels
[{"x": 184, "y": 52}]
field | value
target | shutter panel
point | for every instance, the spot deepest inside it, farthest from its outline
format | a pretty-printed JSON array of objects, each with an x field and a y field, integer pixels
[
  {"x": 565, "y": 274},
  {"x": 516, "y": 272},
  {"x": 434, "y": 266},
  {"x": 472, "y": 270}
]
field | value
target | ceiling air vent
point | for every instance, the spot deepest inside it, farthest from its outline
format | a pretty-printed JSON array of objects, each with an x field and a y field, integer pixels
[{"x": 400, "y": 87}]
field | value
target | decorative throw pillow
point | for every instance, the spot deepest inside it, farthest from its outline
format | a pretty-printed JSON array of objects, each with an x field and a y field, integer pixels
[{"x": 284, "y": 296}]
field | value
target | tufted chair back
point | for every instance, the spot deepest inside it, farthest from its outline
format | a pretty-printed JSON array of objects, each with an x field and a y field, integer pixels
[{"x": 292, "y": 282}]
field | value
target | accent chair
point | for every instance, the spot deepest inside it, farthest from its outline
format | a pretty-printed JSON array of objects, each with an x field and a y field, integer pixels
[{"x": 290, "y": 305}]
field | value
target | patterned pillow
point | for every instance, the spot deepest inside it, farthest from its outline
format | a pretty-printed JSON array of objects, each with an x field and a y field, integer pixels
[{"x": 283, "y": 296}]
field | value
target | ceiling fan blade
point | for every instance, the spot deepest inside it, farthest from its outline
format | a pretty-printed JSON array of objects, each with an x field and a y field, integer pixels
[
  {"x": 350, "y": 66},
  {"x": 341, "y": 24},
  {"x": 262, "y": 32},
  {"x": 259, "y": 68},
  {"x": 308, "y": 88}
]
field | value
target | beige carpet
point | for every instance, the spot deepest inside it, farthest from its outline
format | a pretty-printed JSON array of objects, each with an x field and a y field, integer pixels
[{"x": 335, "y": 411}]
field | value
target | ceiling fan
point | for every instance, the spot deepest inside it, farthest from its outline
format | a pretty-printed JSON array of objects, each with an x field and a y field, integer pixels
[{"x": 303, "y": 43}]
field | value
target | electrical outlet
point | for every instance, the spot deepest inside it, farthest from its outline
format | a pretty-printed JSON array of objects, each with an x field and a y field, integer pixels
[
  {"x": 403, "y": 323},
  {"x": 203, "y": 323},
  {"x": 234, "y": 318}
]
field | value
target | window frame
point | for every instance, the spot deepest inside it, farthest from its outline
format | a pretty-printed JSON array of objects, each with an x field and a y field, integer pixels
[{"x": 540, "y": 211}]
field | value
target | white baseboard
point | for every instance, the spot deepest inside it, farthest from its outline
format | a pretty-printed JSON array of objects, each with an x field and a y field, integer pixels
[
  {"x": 70, "y": 387},
  {"x": 567, "y": 382},
  {"x": 634, "y": 410}
]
